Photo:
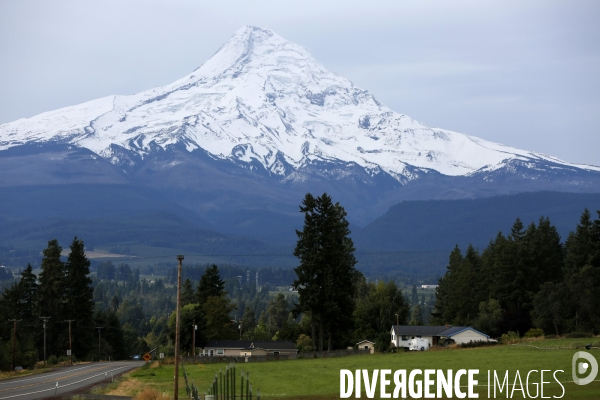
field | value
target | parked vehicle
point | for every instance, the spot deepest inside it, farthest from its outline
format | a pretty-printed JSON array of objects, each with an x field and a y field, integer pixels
[{"x": 418, "y": 344}]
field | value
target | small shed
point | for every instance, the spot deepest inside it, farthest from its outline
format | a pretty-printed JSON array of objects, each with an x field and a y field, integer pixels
[{"x": 366, "y": 345}]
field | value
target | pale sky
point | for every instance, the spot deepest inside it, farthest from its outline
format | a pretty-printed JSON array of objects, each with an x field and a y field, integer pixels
[{"x": 521, "y": 73}]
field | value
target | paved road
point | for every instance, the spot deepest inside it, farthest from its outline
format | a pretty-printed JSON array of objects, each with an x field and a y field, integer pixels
[{"x": 63, "y": 380}]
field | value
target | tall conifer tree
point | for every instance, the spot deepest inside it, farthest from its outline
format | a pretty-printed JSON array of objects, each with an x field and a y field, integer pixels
[
  {"x": 326, "y": 274},
  {"x": 79, "y": 304},
  {"x": 52, "y": 296}
]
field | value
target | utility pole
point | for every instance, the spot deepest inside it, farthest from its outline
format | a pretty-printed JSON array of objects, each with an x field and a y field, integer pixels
[
  {"x": 14, "y": 321},
  {"x": 45, "y": 321},
  {"x": 99, "y": 327},
  {"x": 194, "y": 339},
  {"x": 71, "y": 343},
  {"x": 177, "y": 321}
]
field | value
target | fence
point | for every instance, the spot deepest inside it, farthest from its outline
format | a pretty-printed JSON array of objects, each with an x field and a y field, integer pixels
[
  {"x": 223, "y": 386},
  {"x": 276, "y": 357},
  {"x": 190, "y": 390}
]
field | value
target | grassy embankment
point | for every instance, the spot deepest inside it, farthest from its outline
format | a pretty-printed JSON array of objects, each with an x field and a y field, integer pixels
[{"x": 320, "y": 378}]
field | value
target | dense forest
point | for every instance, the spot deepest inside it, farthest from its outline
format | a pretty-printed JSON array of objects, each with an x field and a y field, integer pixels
[{"x": 524, "y": 280}]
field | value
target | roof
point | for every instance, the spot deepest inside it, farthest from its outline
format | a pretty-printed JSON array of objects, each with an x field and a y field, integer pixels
[
  {"x": 446, "y": 331},
  {"x": 365, "y": 341},
  {"x": 455, "y": 330},
  {"x": 251, "y": 344}
]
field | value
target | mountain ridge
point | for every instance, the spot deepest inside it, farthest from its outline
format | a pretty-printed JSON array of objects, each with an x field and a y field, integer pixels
[{"x": 262, "y": 102}]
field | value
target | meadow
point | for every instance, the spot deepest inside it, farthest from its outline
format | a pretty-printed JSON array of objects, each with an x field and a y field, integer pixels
[{"x": 320, "y": 378}]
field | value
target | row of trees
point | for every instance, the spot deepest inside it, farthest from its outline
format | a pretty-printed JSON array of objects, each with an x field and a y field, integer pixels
[
  {"x": 526, "y": 279},
  {"x": 62, "y": 296}
]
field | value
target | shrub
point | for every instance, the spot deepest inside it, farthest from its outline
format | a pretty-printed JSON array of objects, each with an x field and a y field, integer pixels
[
  {"x": 534, "y": 332},
  {"x": 478, "y": 343},
  {"x": 510, "y": 337},
  {"x": 52, "y": 360},
  {"x": 574, "y": 335},
  {"x": 148, "y": 394},
  {"x": 304, "y": 343}
]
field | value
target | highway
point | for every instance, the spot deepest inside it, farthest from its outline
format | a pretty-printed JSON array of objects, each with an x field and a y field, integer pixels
[{"x": 63, "y": 380}]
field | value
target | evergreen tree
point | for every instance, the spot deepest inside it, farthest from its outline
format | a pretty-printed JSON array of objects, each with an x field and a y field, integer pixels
[
  {"x": 582, "y": 275},
  {"x": 22, "y": 298},
  {"x": 326, "y": 274},
  {"x": 489, "y": 316},
  {"x": 114, "y": 303},
  {"x": 552, "y": 308},
  {"x": 187, "y": 293},
  {"x": 78, "y": 298},
  {"x": 210, "y": 285},
  {"x": 415, "y": 316},
  {"x": 112, "y": 342},
  {"x": 414, "y": 298},
  {"x": 191, "y": 314},
  {"x": 20, "y": 302},
  {"x": 248, "y": 320},
  {"x": 51, "y": 297},
  {"x": 447, "y": 293},
  {"x": 377, "y": 310},
  {"x": 277, "y": 312},
  {"x": 217, "y": 319}
]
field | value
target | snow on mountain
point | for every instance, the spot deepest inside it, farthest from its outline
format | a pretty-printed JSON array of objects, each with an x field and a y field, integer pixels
[{"x": 263, "y": 99}]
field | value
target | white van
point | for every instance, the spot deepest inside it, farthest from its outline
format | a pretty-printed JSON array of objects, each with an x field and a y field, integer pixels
[{"x": 418, "y": 344}]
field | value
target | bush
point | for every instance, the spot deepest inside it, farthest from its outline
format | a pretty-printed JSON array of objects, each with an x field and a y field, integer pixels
[
  {"x": 304, "y": 343},
  {"x": 534, "y": 332},
  {"x": 478, "y": 343},
  {"x": 574, "y": 335},
  {"x": 148, "y": 394},
  {"x": 510, "y": 337},
  {"x": 52, "y": 360},
  {"x": 551, "y": 337}
]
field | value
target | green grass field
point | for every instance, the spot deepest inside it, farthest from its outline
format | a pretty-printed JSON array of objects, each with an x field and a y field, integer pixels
[{"x": 321, "y": 377}]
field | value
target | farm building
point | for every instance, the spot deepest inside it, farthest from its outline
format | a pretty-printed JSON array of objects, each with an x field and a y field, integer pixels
[
  {"x": 401, "y": 334},
  {"x": 366, "y": 345}
]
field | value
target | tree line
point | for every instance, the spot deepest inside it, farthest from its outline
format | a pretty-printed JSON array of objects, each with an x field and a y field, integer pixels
[
  {"x": 54, "y": 312},
  {"x": 528, "y": 279}
]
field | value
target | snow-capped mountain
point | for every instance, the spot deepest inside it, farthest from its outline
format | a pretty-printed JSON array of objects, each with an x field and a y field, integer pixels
[{"x": 263, "y": 102}]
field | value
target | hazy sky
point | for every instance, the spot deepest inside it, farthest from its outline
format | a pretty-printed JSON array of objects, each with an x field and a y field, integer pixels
[{"x": 522, "y": 73}]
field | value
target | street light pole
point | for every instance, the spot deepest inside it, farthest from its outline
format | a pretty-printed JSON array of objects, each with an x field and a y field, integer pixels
[{"x": 177, "y": 321}]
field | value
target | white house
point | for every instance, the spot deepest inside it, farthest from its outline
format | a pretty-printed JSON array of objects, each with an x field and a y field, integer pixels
[{"x": 401, "y": 334}]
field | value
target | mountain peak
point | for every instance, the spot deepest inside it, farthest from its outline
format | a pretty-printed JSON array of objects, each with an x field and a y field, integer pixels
[
  {"x": 262, "y": 100},
  {"x": 245, "y": 46}
]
